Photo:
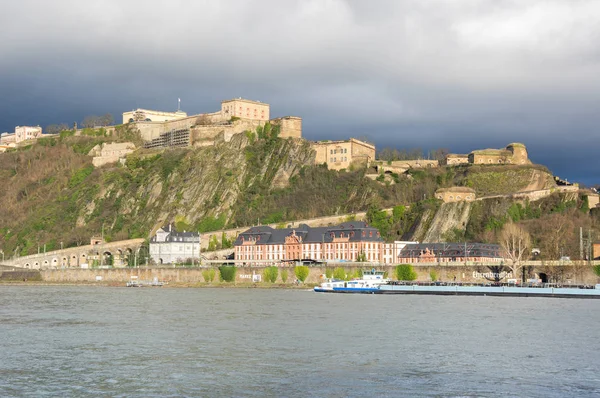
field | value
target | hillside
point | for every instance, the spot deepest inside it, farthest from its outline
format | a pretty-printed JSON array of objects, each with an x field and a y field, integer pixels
[{"x": 53, "y": 195}]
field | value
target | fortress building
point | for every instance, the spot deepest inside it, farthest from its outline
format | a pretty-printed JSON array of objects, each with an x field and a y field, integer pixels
[
  {"x": 341, "y": 154},
  {"x": 23, "y": 133},
  {"x": 166, "y": 129},
  {"x": 244, "y": 109},
  {"x": 515, "y": 153}
]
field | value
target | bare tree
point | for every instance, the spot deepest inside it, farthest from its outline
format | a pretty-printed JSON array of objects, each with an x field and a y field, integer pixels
[
  {"x": 90, "y": 121},
  {"x": 106, "y": 120},
  {"x": 203, "y": 120},
  {"x": 56, "y": 128},
  {"x": 516, "y": 243}
]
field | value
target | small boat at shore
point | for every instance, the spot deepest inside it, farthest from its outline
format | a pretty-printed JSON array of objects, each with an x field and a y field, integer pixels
[
  {"x": 369, "y": 283},
  {"x": 137, "y": 283}
]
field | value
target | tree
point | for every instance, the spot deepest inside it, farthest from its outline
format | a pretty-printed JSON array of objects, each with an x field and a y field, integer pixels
[
  {"x": 515, "y": 242},
  {"x": 106, "y": 120},
  {"x": 203, "y": 120},
  {"x": 56, "y": 128},
  {"x": 597, "y": 270},
  {"x": 90, "y": 121},
  {"x": 405, "y": 272},
  {"x": 362, "y": 257},
  {"x": 301, "y": 272},
  {"x": 270, "y": 274}
]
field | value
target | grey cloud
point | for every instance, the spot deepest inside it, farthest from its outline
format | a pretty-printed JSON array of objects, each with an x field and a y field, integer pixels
[{"x": 468, "y": 74}]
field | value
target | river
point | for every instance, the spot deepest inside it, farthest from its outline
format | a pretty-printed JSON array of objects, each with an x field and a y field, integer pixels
[{"x": 61, "y": 341}]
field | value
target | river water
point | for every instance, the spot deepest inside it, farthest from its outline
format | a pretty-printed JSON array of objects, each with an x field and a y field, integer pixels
[{"x": 165, "y": 342}]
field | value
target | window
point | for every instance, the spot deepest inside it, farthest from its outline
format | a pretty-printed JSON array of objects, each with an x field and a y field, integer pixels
[{"x": 331, "y": 151}]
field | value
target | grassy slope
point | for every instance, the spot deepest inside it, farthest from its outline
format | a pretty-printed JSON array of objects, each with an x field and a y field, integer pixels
[{"x": 53, "y": 194}]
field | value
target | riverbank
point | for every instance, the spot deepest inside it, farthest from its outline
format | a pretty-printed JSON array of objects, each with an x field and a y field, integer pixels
[{"x": 255, "y": 277}]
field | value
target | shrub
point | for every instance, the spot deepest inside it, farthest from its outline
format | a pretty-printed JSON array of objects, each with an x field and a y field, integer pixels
[
  {"x": 227, "y": 273},
  {"x": 80, "y": 175},
  {"x": 329, "y": 272},
  {"x": 405, "y": 272},
  {"x": 339, "y": 273},
  {"x": 209, "y": 223},
  {"x": 209, "y": 274},
  {"x": 301, "y": 272},
  {"x": 597, "y": 270},
  {"x": 433, "y": 275},
  {"x": 284, "y": 275},
  {"x": 270, "y": 274}
]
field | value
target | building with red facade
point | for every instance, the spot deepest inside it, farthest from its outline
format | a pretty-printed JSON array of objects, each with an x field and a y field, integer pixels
[{"x": 344, "y": 242}]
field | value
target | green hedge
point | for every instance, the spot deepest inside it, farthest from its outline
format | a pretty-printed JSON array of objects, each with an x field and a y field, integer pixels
[
  {"x": 405, "y": 272},
  {"x": 301, "y": 272},
  {"x": 270, "y": 274},
  {"x": 227, "y": 273}
]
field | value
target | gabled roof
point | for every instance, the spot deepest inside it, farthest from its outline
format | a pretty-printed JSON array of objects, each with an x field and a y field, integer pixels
[{"x": 265, "y": 235}]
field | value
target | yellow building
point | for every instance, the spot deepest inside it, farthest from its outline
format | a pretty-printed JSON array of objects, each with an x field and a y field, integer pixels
[
  {"x": 341, "y": 154},
  {"x": 245, "y": 109}
]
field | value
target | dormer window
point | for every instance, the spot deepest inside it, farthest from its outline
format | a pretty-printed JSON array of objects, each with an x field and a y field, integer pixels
[
  {"x": 342, "y": 235},
  {"x": 364, "y": 234}
]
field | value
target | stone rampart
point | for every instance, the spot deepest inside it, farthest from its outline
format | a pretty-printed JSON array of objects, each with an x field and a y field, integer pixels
[{"x": 536, "y": 195}]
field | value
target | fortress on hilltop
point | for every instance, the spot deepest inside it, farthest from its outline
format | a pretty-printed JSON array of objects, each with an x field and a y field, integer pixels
[
  {"x": 515, "y": 153},
  {"x": 173, "y": 129},
  {"x": 160, "y": 129}
]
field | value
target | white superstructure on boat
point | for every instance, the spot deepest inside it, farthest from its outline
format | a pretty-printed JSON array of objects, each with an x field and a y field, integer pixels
[{"x": 370, "y": 282}]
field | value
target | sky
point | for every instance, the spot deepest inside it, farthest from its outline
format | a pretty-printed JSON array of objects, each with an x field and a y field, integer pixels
[{"x": 404, "y": 74}]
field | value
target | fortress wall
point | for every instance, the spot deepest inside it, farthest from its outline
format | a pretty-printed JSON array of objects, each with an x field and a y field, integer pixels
[
  {"x": 454, "y": 159},
  {"x": 150, "y": 130},
  {"x": 291, "y": 126},
  {"x": 593, "y": 200},
  {"x": 362, "y": 152},
  {"x": 415, "y": 164}
]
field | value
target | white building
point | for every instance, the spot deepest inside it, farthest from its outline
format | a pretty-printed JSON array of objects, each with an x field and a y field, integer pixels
[
  {"x": 23, "y": 133},
  {"x": 148, "y": 115},
  {"x": 169, "y": 246}
]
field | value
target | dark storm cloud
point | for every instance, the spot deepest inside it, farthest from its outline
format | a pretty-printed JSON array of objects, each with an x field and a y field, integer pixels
[{"x": 463, "y": 75}]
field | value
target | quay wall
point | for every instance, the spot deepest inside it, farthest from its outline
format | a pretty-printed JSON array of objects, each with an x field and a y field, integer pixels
[{"x": 459, "y": 273}]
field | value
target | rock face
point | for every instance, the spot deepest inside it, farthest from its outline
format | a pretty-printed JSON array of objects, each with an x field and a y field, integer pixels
[
  {"x": 452, "y": 215},
  {"x": 191, "y": 184}
]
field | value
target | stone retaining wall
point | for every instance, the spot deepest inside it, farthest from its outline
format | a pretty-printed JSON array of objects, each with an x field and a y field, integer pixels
[{"x": 455, "y": 273}]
